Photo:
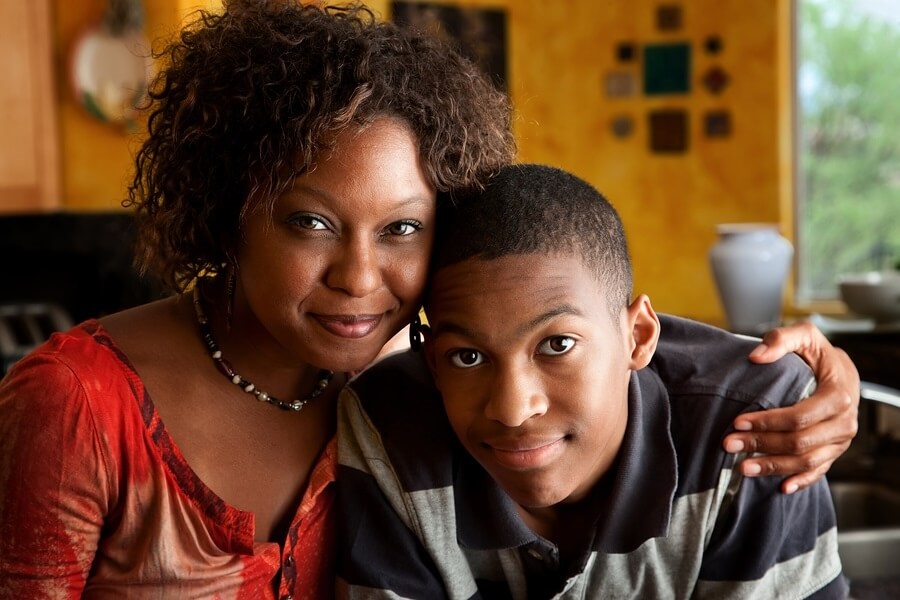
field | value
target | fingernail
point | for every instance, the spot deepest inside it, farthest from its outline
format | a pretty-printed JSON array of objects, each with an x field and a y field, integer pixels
[
  {"x": 734, "y": 446},
  {"x": 791, "y": 488},
  {"x": 758, "y": 351},
  {"x": 752, "y": 469},
  {"x": 743, "y": 425}
]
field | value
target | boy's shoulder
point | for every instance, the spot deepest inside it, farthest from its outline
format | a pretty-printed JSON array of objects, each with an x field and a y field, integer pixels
[
  {"x": 401, "y": 407},
  {"x": 398, "y": 382},
  {"x": 693, "y": 358}
]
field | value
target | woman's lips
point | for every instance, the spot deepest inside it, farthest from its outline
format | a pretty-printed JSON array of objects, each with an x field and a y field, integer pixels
[
  {"x": 349, "y": 326},
  {"x": 527, "y": 456}
]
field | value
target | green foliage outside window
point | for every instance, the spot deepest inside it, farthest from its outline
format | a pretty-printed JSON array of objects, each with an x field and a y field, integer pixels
[{"x": 849, "y": 111}]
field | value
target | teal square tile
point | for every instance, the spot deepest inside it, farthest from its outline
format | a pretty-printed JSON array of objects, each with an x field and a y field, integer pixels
[{"x": 667, "y": 69}]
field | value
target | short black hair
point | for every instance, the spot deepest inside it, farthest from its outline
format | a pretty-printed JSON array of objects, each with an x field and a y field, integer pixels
[{"x": 536, "y": 209}]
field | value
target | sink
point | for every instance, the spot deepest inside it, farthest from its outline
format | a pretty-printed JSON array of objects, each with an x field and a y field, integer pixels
[
  {"x": 870, "y": 554},
  {"x": 865, "y": 487},
  {"x": 868, "y": 518},
  {"x": 865, "y": 505}
]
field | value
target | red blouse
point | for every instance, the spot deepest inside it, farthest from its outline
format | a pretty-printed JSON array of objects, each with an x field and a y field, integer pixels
[{"x": 97, "y": 500}]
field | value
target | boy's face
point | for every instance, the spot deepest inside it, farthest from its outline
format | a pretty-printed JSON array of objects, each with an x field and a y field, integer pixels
[{"x": 534, "y": 370}]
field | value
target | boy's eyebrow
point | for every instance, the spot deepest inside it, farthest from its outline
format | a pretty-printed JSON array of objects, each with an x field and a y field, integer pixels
[
  {"x": 562, "y": 309},
  {"x": 442, "y": 327}
]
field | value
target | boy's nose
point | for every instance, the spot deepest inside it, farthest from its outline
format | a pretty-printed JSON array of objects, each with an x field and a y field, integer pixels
[
  {"x": 356, "y": 268},
  {"x": 516, "y": 396}
]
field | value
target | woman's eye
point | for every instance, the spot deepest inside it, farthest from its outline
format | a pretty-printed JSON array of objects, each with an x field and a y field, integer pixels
[
  {"x": 465, "y": 359},
  {"x": 558, "y": 344},
  {"x": 403, "y": 228},
  {"x": 310, "y": 222}
]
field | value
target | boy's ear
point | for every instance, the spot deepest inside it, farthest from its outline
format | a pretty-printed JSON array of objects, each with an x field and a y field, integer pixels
[
  {"x": 428, "y": 347},
  {"x": 644, "y": 330}
]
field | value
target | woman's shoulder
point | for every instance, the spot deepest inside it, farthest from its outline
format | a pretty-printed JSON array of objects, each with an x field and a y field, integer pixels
[
  {"x": 94, "y": 350},
  {"x": 72, "y": 371},
  {"x": 151, "y": 338},
  {"x": 145, "y": 327},
  {"x": 89, "y": 370}
]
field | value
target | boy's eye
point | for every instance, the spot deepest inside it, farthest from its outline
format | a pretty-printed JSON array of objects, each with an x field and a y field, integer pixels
[
  {"x": 466, "y": 358},
  {"x": 403, "y": 228},
  {"x": 307, "y": 221},
  {"x": 558, "y": 344}
]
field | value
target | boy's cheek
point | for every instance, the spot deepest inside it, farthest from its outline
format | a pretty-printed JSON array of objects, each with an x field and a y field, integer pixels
[{"x": 458, "y": 418}]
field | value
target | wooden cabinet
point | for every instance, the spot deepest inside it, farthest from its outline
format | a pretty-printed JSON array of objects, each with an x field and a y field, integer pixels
[{"x": 29, "y": 138}]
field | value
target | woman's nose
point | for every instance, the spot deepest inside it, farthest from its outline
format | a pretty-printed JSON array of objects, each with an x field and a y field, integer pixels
[
  {"x": 516, "y": 396},
  {"x": 356, "y": 268}
]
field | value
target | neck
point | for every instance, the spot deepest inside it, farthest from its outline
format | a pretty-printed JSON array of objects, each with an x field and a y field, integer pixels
[
  {"x": 232, "y": 371},
  {"x": 568, "y": 522}
]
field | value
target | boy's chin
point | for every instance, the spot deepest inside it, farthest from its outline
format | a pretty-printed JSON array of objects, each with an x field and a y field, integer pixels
[{"x": 536, "y": 495}]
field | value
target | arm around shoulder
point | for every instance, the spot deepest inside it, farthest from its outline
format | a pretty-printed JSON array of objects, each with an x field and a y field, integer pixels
[{"x": 803, "y": 440}]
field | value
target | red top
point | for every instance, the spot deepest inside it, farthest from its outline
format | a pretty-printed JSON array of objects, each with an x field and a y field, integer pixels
[{"x": 96, "y": 498}]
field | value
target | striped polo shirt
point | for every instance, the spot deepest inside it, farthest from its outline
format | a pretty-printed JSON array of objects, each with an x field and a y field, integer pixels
[{"x": 419, "y": 518}]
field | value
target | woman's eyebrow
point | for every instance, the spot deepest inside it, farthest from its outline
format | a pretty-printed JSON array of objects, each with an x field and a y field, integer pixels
[{"x": 327, "y": 196}]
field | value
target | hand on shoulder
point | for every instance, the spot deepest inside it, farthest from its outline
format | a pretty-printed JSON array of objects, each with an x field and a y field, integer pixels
[{"x": 803, "y": 440}]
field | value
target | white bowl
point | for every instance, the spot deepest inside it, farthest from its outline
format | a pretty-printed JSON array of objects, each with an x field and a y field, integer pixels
[{"x": 875, "y": 294}]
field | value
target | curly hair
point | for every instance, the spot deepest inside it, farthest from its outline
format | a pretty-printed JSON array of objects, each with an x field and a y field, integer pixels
[{"x": 248, "y": 99}]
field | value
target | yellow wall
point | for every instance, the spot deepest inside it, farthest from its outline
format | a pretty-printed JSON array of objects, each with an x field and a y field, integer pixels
[
  {"x": 669, "y": 203},
  {"x": 559, "y": 53},
  {"x": 97, "y": 157}
]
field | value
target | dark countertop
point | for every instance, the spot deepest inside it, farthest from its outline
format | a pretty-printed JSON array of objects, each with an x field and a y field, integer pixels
[{"x": 875, "y": 354}]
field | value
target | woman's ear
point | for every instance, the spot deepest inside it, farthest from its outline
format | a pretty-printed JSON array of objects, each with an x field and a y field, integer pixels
[{"x": 644, "y": 330}]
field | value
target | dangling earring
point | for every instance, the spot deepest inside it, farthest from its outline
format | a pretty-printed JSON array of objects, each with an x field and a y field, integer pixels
[
  {"x": 230, "y": 285},
  {"x": 415, "y": 334}
]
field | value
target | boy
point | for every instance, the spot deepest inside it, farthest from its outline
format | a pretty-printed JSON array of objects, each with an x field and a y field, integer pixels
[{"x": 586, "y": 460}]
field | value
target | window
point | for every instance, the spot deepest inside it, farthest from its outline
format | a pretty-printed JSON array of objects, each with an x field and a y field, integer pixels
[{"x": 848, "y": 92}]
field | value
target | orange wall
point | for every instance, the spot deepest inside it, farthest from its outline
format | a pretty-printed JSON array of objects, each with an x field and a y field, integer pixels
[
  {"x": 559, "y": 53},
  {"x": 97, "y": 157},
  {"x": 669, "y": 203}
]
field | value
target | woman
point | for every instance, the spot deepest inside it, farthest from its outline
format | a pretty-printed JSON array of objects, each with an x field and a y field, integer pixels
[{"x": 287, "y": 193}]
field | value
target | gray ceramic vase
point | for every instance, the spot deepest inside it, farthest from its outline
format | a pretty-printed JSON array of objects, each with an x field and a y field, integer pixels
[{"x": 750, "y": 263}]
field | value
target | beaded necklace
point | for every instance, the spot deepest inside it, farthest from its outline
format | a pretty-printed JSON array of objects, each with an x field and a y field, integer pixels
[{"x": 228, "y": 371}]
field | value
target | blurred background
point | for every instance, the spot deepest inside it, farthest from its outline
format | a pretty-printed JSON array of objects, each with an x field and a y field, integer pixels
[{"x": 686, "y": 114}]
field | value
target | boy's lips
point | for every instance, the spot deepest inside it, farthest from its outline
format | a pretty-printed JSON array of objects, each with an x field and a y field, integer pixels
[
  {"x": 522, "y": 455},
  {"x": 348, "y": 326}
]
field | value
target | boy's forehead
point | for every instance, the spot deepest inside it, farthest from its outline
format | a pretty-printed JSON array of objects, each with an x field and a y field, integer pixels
[
  {"x": 539, "y": 277},
  {"x": 515, "y": 263}
]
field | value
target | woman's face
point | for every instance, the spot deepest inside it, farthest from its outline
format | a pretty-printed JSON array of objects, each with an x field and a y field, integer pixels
[{"x": 340, "y": 264}]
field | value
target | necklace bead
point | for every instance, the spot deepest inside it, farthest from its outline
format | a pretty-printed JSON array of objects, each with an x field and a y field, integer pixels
[{"x": 226, "y": 368}]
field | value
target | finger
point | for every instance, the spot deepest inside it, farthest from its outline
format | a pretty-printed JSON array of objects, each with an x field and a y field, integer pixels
[
  {"x": 802, "y": 337},
  {"x": 811, "y": 465},
  {"x": 803, "y": 480},
  {"x": 837, "y": 431},
  {"x": 829, "y": 402}
]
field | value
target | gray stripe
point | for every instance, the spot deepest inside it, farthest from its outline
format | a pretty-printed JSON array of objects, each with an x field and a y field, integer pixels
[
  {"x": 360, "y": 447},
  {"x": 439, "y": 538},
  {"x": 663, "y": 567},
  {"x": 817, "y": 568}
]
